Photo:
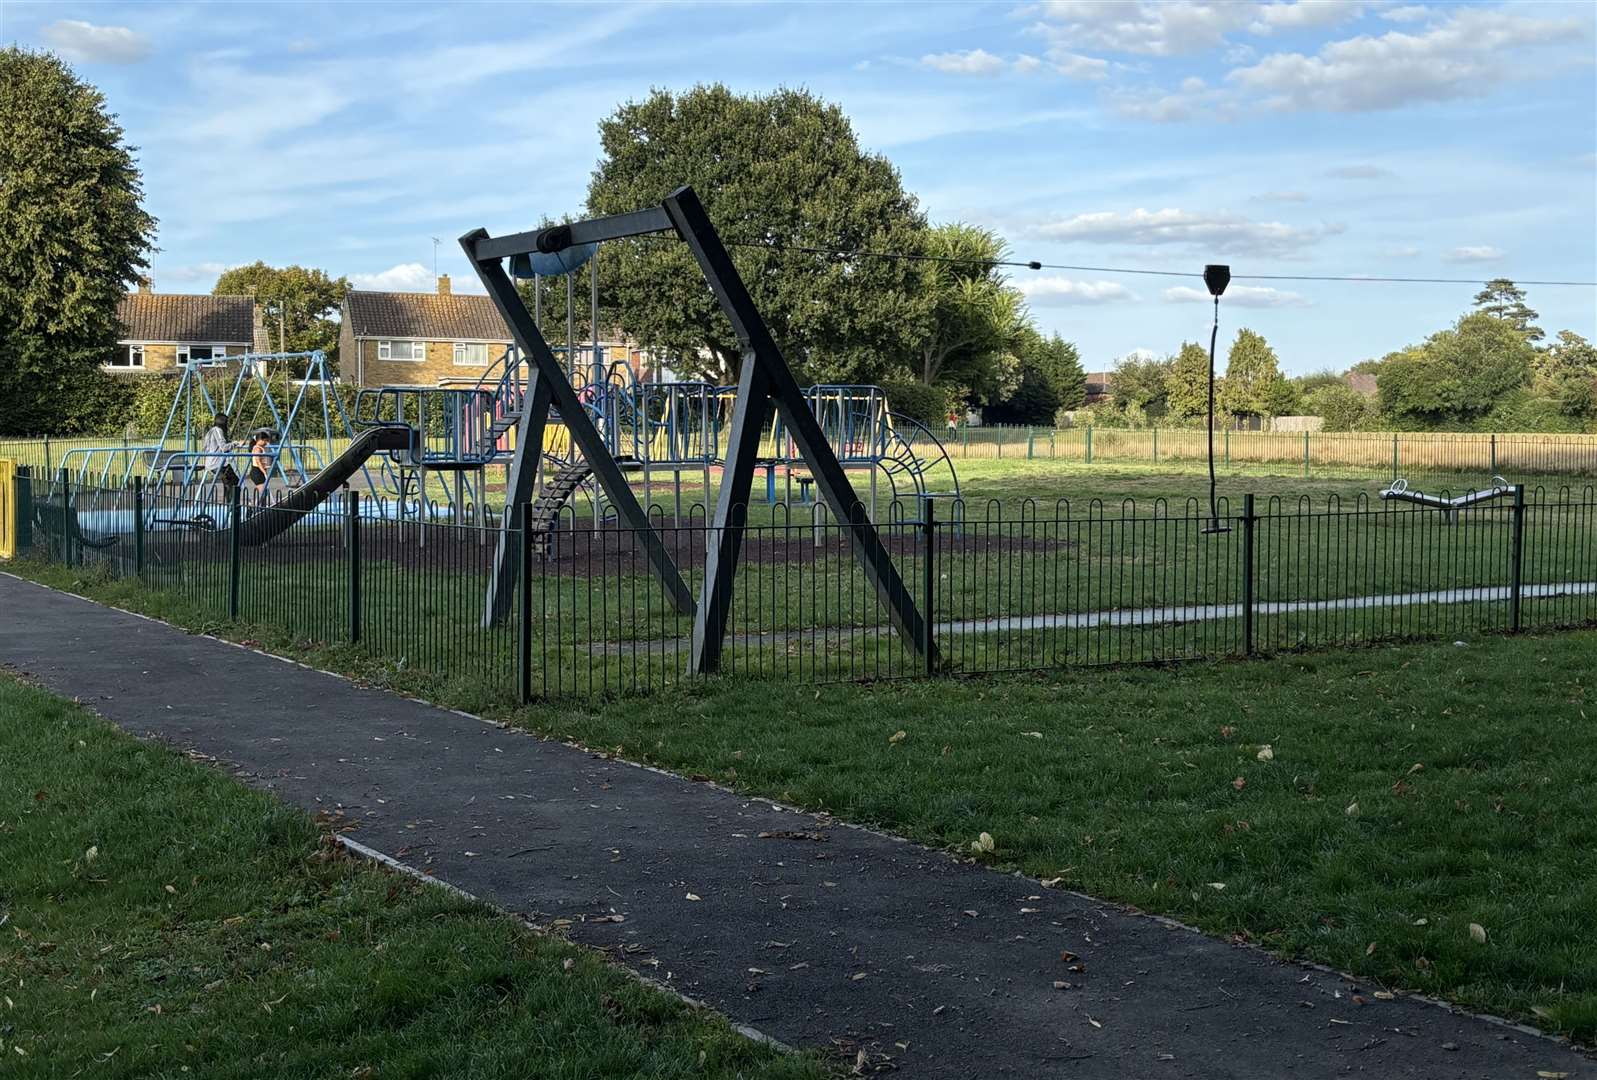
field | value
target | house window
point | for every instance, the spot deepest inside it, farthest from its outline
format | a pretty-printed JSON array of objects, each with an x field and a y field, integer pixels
[
  {"x": 401, "y": 350},
  {"x": 471, "y": 354},
  {"x": 132, "y": 359},
  {"x": 199, "y": 354}
]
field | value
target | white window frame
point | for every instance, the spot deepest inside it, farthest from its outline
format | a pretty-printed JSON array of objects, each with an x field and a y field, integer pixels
[
  {"x": 133, "y": 349},
  {"x": 218, "y": 352},
  {"x": 461, "y": 346},
  {"x": 385, "y": 350}
]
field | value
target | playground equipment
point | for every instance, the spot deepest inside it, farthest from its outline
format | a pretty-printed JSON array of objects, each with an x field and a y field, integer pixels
[
  {"x": 1398, "y": 489},
  {"x": 396, "y": 437},
  {"x": 586, "y": 406}
]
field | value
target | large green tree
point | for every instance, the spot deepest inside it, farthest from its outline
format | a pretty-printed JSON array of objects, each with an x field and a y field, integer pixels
[
  {"x": 1502, "y": 299},
  {"x": 1567, "y": 373},
  {"x": 1342, "y": 407},
  {"x": 965, "y": 321},
  {"x": 1457, "y": 375},
  {"x": 777, "y": 173},
  {"x": 1251, "y": 373},
  {"x": 1188, "y": 383},
  {"x": 298, "y": 303},
  {"x": 1141, "y": 383},
  {"x": 73, "y": 236},
  {"x": 1060, "y": 363}
]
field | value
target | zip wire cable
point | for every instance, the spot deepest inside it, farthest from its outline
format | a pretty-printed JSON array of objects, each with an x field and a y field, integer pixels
[{"x": 1034, "y": 264}]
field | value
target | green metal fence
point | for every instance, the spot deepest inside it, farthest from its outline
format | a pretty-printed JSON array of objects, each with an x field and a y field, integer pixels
[{"x": 1024, "y": 587}]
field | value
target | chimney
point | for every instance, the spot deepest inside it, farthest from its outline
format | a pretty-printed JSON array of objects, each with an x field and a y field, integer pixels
[
  {"x": 443, "y": 284},
  {"x": 144, "y": 285}
]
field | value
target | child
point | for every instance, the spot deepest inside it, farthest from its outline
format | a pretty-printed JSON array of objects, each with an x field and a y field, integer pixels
[{"x": 260, "y": 463}]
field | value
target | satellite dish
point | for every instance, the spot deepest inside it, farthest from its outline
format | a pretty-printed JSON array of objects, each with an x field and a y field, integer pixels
[{"x": 552, "y": 263}]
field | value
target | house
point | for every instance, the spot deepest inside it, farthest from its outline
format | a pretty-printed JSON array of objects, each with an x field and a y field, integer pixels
[
  {"x": 1362, "y": 383},
  {"x": 166, "y": 331},
  {"x": 1098, "y": 388},
  {"x": 440, "y": 338}
]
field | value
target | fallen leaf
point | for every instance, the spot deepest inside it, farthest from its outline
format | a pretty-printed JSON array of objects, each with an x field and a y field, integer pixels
[
  {"x": 1265, "y": 753},
  {"x": 1478, "y": 932},
  {"x": 983, "y": 844},
  {"x": 1370, "y": 951},
  {"x": 171, "y": 889},
  {"x": 1239, "y": 783},
  {"x": 92, "y": 854},
  {"x": 1352, "y": 809},
  {"x": 897, "y": 737},
  {"x": 1421, "y": 922},
  {"x": 1418, "y": 767},
  {"x": 1226, "y": 731},
  {"x": 693, "y": 896},
  {"x": 1385, "y": 995},
  {"x": 1093, "y": 1022},
  {"x": 971, "y": 912},
  {"x": 856, "y": 977},
  {"x": 1033, "y": 734},
  {"x": 1060, "y": 984},
  {"x": 1217, "y": 886},
  {"x": 1548, "y": 1074},
  {"x": 567, "y": 964}
]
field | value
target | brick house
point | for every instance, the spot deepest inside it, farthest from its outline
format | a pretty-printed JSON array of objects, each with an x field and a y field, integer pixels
[
  {"x": 1098, "y": 387},
  {"x": 162, "y": 332},
  {"x": 442, "y": 338}
]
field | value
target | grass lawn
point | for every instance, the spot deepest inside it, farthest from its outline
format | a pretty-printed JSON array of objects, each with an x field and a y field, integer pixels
[
  {"x": 160, "y": 920},
  {"x": 1410, "y": 791}
]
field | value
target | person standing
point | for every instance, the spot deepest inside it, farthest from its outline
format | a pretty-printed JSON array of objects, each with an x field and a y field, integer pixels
[
  {"x": 216, "y": 449},
  {"x": 260, "y": 464}
]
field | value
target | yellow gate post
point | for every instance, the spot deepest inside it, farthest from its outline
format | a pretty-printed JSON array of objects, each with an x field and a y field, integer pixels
[{"x": 8, "y": 509}]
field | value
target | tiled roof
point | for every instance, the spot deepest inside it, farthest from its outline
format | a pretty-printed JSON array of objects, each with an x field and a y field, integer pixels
[
  {"x": 200, "y": 320},
  {"x": 1363, "y": 383},
  {"x": 430, "y": 316}
]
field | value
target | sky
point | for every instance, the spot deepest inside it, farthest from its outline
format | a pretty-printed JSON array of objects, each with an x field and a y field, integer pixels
[{"x": 1297, "y": 138}]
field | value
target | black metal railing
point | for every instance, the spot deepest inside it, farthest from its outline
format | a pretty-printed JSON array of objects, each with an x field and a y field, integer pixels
[{"x": 1024, "y": 586}]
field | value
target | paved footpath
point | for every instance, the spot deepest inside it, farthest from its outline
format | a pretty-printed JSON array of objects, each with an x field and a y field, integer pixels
[{"x": 815, "y": 934}]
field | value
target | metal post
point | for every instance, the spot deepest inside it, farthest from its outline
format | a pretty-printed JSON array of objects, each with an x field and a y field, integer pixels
[
  {"x": 1247, "y": 574},
  {"x": 1228, "y": 447},
  {"x": 1494, "y": 453},
  {"x": 66, "y": 518},
  {"x": 929, "y": 583},
  {"x": 1089, "y": 444},
  {"x": 47, "y": 469},
  {"x": 524, "y": 611},
  {"x": 1394, "y": 457},
  {"x": 1305, "y": 455},
  {"x": 352, "y": 524},
  {"x": 1518, "y": 568},
  {"x": 1031, "y": 439},
  {"x": 234, "y": 552},
  {"x": 138, "y": 526}
]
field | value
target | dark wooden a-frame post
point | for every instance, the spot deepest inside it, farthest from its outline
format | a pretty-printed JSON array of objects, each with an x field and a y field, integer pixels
[
  {"x": 766, "y": 377},
  {"x": 550, "y": 385}
]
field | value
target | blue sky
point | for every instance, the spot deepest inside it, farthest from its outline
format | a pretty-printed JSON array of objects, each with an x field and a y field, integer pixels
[{"x": 1290, "y": 138}]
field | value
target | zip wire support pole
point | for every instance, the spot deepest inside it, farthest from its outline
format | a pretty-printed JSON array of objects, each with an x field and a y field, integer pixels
[
  {"x": 1216, "y": 277},
  {"x": 551, "y": 386}
]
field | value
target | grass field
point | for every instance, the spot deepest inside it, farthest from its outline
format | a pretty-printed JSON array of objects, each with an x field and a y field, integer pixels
[
  {"x": 160, "y": 920},
  {"x": 1409, "y": 792}
]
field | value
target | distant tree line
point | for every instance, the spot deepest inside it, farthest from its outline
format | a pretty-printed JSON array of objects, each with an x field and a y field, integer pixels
[{"x": 1493, "y": 369}]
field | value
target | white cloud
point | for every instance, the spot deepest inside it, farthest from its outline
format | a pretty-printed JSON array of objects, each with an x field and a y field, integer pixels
[
  {"x": 87, "y": 43},
  {"x": 197, "y": 272},
  {"x": 1281, "y": 196},
  {"x": 1075, "y": 66},
  {"x": 406, "y": 277},
  {"x": 1407, "y": 13},
  {"x": 1216, "y": 232},
  {"x": 1359, "y": 172},
  {"x": 970, "y": 62},
  {"x": 1249, "y": 296},
  {"x": 1056, "y": 291},
  {"x": 1475, "y": 253},
  {"x": 1469, "y": 55},
  {"x": 1177, "y": 27}
]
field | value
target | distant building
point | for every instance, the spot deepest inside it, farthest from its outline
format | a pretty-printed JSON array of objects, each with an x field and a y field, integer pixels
[
  {"x": 440, "y": 338},
  {"x": 168, "y": 331},
  {"x": 1098, "y": 387},
  {"x": 1362, "y": 383}
]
